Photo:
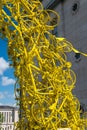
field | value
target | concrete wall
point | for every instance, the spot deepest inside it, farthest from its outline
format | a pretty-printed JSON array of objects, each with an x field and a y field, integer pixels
[
  {"x": 75, "y": 32},
  {"x": 73, "y": 26}
]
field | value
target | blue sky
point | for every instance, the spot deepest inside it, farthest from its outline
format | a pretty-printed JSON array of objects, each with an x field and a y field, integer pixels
[{"x": 7, "y": 79}]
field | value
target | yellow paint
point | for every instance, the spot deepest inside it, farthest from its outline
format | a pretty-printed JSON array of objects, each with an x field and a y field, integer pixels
[
  {"x": 64, "y": 129},
  {"x": 44, "y": 79}
]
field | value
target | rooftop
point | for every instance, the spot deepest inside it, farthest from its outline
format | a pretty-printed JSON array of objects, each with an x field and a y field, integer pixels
[{"x": 7, "y": 107}]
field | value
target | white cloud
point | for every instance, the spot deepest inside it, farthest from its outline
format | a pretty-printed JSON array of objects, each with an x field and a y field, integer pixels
[
  {"x": 6, "y": 98},
  {"x": 1, "y": 95},
  {"x": 8, "y": 104},
  {"x": 1, "y": 104},
  {"x": 3, "y": 65},
  {"x": 6, "y": 94},
  {"x": 11, "y": 96},
  {"x": 7, "y": 81},
  {"x": 14, "y": 104}
]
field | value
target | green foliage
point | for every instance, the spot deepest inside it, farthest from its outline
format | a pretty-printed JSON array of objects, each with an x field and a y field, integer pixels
[{"x": 1, "y": 119}]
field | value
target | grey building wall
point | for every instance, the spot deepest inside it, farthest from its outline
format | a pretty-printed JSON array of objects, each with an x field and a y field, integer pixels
[{"x": 73, "y": 26}]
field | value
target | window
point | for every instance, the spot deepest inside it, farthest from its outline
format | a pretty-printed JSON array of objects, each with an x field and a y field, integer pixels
[
  {"x": 77, "y": 57},
  {"x": 82, "y": 109},
  {"x": 10, "y": 117},
  {"x": 7, "y": 116},
  {"x": 75, "y": 7},
  {"x": 10, "y": 127},
  {"x": 54, "y": 22},
  {"x": 13, "y": 114},
  {"x": 55, "y": 32}
]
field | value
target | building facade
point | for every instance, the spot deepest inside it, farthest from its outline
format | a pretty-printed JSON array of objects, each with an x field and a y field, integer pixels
[
  {"x": 10, "y": 116},
  {"x": 73, "y": 26}
]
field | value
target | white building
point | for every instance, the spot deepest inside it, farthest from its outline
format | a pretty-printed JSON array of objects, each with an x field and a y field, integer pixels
[{"x": 10, "y": 116}]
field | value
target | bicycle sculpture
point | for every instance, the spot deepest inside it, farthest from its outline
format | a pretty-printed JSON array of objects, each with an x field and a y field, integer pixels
[{"x": 44, "y": 79}]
